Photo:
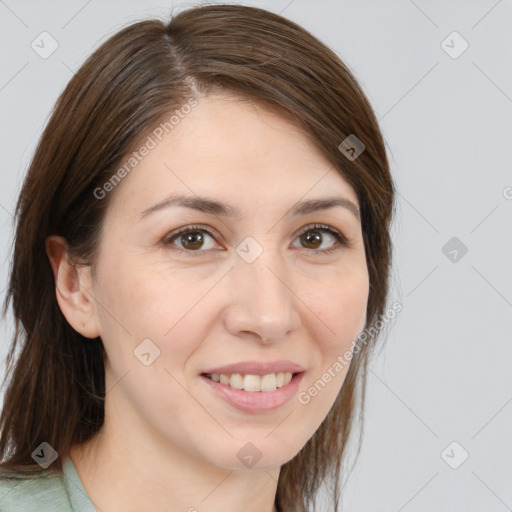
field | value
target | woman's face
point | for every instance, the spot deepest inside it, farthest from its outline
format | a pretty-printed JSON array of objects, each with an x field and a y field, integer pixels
[{"x": 259, "y": 289}]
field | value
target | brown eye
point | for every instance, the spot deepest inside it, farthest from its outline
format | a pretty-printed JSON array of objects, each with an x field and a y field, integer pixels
[
  {"x": 192, "y": 239},
  {"x": 313, "y": 237}
]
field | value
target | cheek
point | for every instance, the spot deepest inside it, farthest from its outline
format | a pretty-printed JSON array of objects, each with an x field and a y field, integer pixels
[
  {"x": 140, "y": 299},
  {"x": 144, "y": 312},
  {"x": 340, "y": 305},
  {"x": 140, "y": 302},
  {"x": 339, "y": 309}
]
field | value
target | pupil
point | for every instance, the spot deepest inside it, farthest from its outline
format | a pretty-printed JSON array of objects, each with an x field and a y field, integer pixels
[
  {"x": 312, "y": 238},
  {"x": 194, "y": 239}
]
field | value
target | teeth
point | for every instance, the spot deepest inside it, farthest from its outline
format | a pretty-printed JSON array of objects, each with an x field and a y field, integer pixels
[
  {"x": 236, "y": 381},
  {"x": 267, "y": 382},
  {"x": 253, "y": 383}
]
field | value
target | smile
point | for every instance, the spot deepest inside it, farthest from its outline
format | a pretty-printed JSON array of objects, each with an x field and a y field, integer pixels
[
  {"x": 255, "y": 399},
  {"x": 253, "y": 383}
]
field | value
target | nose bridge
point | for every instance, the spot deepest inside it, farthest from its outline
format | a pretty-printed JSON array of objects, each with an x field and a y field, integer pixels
[{"x": 263, "y": 302}]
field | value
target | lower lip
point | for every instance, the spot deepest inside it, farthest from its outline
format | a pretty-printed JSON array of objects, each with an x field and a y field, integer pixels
[{"x": 256, "y": 401}]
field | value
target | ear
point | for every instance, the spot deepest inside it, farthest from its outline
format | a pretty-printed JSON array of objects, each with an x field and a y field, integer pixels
[{"x": 73, "y": 288}]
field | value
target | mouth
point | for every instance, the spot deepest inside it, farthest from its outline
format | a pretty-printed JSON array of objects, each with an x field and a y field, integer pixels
[
  {"x": 253, "y": 383},
  {"x": 254, "y": 393}
]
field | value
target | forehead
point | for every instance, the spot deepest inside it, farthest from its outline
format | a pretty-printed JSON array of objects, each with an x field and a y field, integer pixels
[{"x": 235, "y": 150}]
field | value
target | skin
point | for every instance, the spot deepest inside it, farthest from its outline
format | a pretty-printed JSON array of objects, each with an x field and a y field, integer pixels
[{"x": 169, "y": 443}]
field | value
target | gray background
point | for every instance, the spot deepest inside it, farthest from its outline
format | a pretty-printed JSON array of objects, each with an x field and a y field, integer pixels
[{"x": 444, "y": 373}]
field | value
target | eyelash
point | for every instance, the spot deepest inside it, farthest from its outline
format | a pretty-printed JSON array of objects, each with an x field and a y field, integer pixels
[{"x": 342, "y": 241}]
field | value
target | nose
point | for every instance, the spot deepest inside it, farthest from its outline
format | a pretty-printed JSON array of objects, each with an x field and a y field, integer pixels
[{"x": 263, "y": 304}]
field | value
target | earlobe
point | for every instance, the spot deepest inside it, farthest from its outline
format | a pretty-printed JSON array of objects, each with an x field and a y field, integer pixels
[{"x": 73, "y": 288}]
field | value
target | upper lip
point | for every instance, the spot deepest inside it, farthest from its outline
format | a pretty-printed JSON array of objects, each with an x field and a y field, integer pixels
[{"x": 257, "y": 368}]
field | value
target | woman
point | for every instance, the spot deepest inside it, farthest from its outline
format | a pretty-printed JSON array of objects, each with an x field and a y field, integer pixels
[{"x": 202, "y": 246}]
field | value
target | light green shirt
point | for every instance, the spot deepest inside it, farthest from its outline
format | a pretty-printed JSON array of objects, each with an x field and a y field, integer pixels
[{"x": 46, "y": 493}]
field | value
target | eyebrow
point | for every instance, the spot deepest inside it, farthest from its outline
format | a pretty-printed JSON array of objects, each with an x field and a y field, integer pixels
[{"x": 207, "y": 205}]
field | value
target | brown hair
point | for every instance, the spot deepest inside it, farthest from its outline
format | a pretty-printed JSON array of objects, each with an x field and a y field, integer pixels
[{"x": 140, "y": 74}]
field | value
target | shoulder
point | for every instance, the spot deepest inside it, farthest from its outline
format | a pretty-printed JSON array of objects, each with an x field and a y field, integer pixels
[{"x": 43, "y": 493}]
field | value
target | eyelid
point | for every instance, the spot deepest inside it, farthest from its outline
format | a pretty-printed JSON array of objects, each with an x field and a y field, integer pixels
[{"x": 341, "y": 239}]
